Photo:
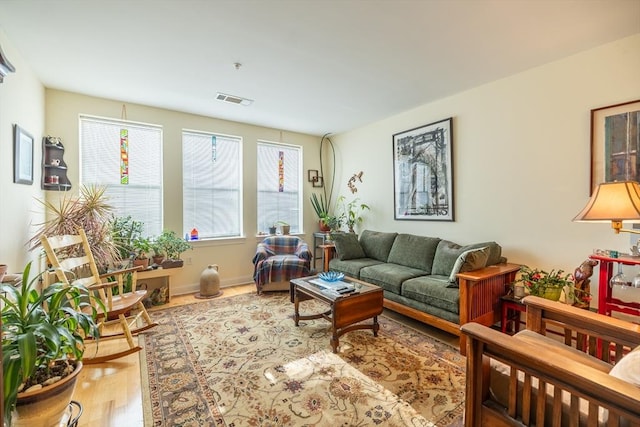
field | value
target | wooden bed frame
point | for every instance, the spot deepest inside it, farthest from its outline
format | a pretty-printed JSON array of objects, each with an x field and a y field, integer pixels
[{"x": 570, "y": 375}]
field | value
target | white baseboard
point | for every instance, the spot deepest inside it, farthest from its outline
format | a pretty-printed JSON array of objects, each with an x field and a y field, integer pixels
[{"x": 191, "y": 288}]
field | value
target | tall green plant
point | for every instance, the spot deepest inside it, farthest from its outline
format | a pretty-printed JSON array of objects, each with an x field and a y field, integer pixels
[
  {"x": 39, "y": 328},
  {"x": 319, "y": 206},
  {"x": 125, "y": 231}
]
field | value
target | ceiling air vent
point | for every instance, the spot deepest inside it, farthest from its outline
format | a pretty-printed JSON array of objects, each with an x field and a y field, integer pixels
[{"x": 233, "y": 99}]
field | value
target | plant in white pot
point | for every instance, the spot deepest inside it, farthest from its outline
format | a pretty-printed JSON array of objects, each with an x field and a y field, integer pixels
[{"x": 43, "y": 335}]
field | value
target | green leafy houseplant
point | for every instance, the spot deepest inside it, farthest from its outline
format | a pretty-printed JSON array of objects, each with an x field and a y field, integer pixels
[
  {"x": 125, "y": 231},
  {"x": 172, "y": 245},
  {"x": 351, "y": 212},
  {"x": 142, "y": 245},
  {"x": 321, "y": 208},
  {"x": 42, "y": 331},
  {"x": 545, "y": 284}
]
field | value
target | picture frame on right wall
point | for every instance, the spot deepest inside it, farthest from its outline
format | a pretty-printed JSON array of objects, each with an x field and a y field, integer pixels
[
  {"x": 615, "y": 143},
  {"x": 423, "y": 172}
]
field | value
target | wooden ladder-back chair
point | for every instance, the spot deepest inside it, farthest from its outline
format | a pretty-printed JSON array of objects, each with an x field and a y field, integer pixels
[{"x": 72, "y": 254}]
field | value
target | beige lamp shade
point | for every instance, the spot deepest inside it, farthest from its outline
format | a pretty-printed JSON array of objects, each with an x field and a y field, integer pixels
[{"x": 615, "y": 202}]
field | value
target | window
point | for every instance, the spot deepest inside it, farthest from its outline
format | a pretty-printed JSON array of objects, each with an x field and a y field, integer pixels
[
  {"x": 211, "y": 184},
  {"x": 279, "y": 185},
  {"x": 125, "y": 158}
]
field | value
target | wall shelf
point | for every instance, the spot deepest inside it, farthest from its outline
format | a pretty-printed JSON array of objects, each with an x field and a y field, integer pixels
[{"x": 54, "y": 168}]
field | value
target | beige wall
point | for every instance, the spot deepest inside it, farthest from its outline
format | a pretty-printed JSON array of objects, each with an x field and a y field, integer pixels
[
  {"x": 233, "y": 256},
  {"x": 521, "y": 158},
  {"x": 22, "y": 103}
]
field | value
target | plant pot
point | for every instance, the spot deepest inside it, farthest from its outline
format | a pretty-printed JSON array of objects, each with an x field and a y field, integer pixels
[
  {"x": 46, "y": 406},
  {"x": 324, "y": 227},
  {"x": 285, "y": 229},
  {"x": 552, "y": 294},
  {"x": 172, "y": 263},
  {"x": 143, "y": 262},
  {"x": 272, "y": 230},
  {"x": 158, "y": 259}
]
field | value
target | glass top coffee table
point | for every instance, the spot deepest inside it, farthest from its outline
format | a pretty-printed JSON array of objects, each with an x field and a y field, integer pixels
[{"x": 360, "y": 302}]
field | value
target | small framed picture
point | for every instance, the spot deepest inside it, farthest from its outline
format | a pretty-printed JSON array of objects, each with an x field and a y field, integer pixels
[{"x": 22, "y": 156}]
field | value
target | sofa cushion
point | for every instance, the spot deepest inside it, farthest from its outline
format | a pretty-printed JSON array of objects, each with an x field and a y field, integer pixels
[
  {"x": 377, "y": 244},
  {"x": 389, "y": 276},
  {"x": 347, "y": 246},
  {"x": 448, "y": 252},
  {"x": 446, "y": 255},
  {"x": 470, "y": 260},
  {"x": 433, "y": 290},
  {"x": 414, "y": 251},
  {"x": 628, "y": 368},
  {"x": 352, "y": 267}
]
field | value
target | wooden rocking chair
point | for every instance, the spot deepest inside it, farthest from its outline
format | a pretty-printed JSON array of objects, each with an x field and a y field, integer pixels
[{"x": 72, "y": 253}]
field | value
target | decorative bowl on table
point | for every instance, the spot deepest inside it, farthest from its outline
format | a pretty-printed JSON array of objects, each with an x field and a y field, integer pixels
[{"x": 331, "y": 276}]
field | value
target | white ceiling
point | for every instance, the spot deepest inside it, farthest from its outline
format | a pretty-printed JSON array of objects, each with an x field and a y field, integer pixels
[{"x": 311, "y": 66}]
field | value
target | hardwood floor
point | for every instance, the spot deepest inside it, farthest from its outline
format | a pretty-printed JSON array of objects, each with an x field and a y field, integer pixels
[{"x": 111, "y": 395}]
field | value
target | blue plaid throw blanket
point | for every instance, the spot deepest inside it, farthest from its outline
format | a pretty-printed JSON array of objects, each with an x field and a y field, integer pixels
[{"x": 280, "y": 258}]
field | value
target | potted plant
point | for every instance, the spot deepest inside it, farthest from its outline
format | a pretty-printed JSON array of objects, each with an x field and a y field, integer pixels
[
  {"x": 89, "y": 211},
  {"x": 284, "y": 227},
  {"x": 172, "y": 246},
  {"x": 158, "y": 252},
  {"x": 322, "y": 211},
  {"x": 351, "y": 212},
  {"x": 125, "y": 231},
  {"x": 43, "y": 336},
  {"x": 545, "y": 284},
  {"x": 142, "y": 246}
]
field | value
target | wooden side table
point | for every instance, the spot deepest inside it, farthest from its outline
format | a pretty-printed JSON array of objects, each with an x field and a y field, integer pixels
[
  {"x": 511, "y": 309},
  {"x": 328, "y": 252}
]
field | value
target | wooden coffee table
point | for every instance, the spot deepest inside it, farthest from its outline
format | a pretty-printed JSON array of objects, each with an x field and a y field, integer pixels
[{"x": 345, "y": 311}]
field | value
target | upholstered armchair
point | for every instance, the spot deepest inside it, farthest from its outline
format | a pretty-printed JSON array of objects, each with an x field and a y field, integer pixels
[{"x": 279, "y": 259}]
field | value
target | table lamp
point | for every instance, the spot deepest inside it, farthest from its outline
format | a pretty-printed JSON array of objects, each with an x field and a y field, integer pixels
[{"x": 613, "y": 201}]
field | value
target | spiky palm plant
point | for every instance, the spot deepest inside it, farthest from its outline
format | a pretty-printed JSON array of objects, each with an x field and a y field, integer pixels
[{"x": 89, "y": 211}]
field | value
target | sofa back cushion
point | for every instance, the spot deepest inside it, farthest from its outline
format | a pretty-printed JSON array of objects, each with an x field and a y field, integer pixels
[
  {"x": 448, "y": 252},
  {"x": 377, "y": 244},
  {"x": 347, "y": 246},
  {"x": 414, "y": 251}
]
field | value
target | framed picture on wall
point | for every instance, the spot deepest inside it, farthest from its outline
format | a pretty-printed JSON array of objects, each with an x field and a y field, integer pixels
[
  {"x": 22, "y": 156},
  {"x": 615, "y": 143},
  {"x": 423, "y": 172}
]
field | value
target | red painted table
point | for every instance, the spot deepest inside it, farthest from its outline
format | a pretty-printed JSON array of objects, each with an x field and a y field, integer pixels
[{"x": 606, "y": 302}]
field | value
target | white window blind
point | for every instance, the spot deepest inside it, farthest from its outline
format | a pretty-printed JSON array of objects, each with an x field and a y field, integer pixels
[
  {"x": 279, "y": 185},
  {"x": 212, "y": 184},
  {"x": 108, "y": 156}
]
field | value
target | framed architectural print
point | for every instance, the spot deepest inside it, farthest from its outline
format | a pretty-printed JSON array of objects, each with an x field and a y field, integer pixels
[
  {"x": 423, "y": 172},
  {"x": 615, "y": 143},
  {"x": 22, "y": 156}
]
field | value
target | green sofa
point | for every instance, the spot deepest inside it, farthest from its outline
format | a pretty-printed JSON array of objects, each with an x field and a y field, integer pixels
[{"x": 435, "y": 281}]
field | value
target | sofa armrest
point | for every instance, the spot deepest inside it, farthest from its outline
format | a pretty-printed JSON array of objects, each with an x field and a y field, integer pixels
[
  {"x": 563, "y": 372},
  {"x": 480, "y": 292}
]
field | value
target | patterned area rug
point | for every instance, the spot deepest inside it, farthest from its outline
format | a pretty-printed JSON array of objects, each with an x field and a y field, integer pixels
[{"x": 241, "y": 361}]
